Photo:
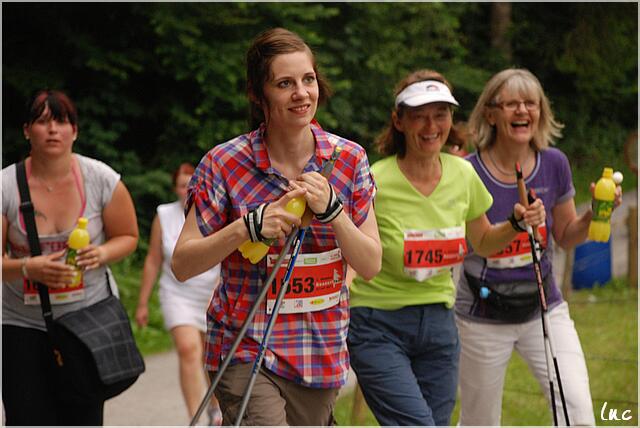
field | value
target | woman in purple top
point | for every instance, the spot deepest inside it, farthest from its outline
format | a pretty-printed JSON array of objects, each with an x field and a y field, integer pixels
[{"x": 513, "y": 122}]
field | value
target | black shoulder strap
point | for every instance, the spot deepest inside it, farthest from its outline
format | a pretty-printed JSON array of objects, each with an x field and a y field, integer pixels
[{"x": 26, "y": 207}]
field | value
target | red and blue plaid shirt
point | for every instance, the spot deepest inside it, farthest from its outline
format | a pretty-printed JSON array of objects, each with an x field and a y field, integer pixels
[{"x": 234, "y": 178}]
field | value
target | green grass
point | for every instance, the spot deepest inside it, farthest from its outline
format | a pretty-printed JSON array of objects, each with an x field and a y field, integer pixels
[{"x": 607, "y": 322}]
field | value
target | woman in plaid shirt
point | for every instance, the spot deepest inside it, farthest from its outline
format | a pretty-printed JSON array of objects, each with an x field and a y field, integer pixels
[{"x": 239, "y": 192}]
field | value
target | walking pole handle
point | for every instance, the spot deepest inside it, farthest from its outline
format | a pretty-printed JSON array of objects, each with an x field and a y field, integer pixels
[
  {"x": 522, "y": 189},
  {"x": 327, "y": 168},
  {"x": 535, "y": 248},
  {"x": 524, "y": 201}
]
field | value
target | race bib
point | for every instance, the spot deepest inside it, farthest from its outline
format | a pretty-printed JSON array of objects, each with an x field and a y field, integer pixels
[
  {"x": 57, "y": 296},
  {"x": 315, "y": 283},
  {"x": 428, "y": 253},
  {"x": 518, "y": 252}
]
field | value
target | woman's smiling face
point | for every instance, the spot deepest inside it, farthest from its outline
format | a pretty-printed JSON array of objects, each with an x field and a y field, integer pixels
[
  {"x": 425, "y": 128},
  {"x": 291, "y": 94},
  {"x": 516, "y": 116}
]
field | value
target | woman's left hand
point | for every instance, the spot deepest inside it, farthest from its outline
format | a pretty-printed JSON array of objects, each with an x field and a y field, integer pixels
[
  {"x": 318, "y": 192},
  {"x": 90, "y": 257}
]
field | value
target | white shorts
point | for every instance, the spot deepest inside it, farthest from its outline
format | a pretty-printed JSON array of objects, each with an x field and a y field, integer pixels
[{"x": 177, "y": 309}]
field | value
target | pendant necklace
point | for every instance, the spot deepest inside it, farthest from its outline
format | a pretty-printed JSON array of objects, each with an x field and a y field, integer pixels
[
  {"x": 51, "y": 187},
  {"x": 500, "y": 170}
]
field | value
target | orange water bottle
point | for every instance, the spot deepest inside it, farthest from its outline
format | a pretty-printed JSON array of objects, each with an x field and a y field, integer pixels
[
  {"x": 255, "y": 251},
  {"x": 79, "y": 238},
  {"x": 604, "y": 194}
]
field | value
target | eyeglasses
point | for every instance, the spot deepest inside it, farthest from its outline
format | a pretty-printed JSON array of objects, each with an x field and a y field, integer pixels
[{"x": 511, "y": 106}]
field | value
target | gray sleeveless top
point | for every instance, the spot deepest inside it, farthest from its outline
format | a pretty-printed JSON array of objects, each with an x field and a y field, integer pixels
[{"x": 100, "y": 181}]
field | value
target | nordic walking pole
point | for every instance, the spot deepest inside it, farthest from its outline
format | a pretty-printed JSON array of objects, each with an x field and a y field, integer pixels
[
  {"x": 243, "y": 331},
  {"x": 548, "y": 345},
  {"x": 300, "y": 233}
]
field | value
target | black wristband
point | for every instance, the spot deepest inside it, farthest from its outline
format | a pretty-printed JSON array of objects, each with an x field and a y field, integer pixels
[
  {"x": 333, "y": 208},
  {"x": 253, "y": 223},
  {"x": 518, "y": 225}
]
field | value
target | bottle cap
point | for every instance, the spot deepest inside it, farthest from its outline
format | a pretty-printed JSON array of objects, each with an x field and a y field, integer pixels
[
  {"x": 82, "y": 222},
  {"x": 617, "y": 177},
  {"x": 607, "y": 172}
]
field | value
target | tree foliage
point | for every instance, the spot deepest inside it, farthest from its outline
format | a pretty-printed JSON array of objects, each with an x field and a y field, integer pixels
[{"x": 158, "y": 84}]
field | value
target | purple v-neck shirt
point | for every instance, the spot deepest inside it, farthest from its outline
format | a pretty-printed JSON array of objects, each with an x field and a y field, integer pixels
[{"x": 551, "y": 179}]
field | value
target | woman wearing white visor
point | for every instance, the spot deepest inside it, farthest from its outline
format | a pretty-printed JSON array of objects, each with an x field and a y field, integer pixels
[{"x": 403, "y": 340}]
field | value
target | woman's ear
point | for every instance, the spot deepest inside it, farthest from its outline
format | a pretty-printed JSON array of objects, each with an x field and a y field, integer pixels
[
  {"x": 252, "y": 95},
  {"x": 490, "y": 117},
  {"x": 397, "y": 123}
]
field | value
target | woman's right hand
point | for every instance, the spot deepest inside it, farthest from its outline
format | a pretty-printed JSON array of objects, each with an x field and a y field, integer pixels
[
  {"x": 277, "y": 221},
  {"x": 49, "y": 271},
  {"x": 142, "y": 315}
]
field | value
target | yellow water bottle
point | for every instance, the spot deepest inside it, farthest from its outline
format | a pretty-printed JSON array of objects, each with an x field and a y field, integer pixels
[
  {"x": 255, "y": 251},
  {"x": 79, "y": 238},
  {"x": 605, "y": 193}
]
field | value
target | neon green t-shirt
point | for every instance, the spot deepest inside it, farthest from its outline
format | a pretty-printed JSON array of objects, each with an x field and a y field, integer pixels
[{"x": 460, "y": 196}]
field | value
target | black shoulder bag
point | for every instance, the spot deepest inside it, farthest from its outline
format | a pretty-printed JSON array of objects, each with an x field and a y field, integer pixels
[{"x": 93, "y": 347}]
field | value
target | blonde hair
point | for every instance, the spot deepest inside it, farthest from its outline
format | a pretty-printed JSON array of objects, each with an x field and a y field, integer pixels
[
  {"x": 518, "y": 81},
  {"x": 391, "y": 141}
]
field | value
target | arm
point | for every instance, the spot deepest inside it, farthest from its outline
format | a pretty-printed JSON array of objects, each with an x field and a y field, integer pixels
[
  {"x": 487, "y": 239},
  {"x": 195, "y": 254},
  {"x": 569, "y": 229},
  {"x": 152, "y": 264},
  {"x": 44, "y": 269},
  {"x": 121, "y": 230},
  {"x": 11, "y": 268},
  {"x": 360, "y": 246}
]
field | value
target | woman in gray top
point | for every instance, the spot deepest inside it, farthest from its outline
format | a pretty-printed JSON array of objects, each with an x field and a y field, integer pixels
[{"x": 63, "y": 187}]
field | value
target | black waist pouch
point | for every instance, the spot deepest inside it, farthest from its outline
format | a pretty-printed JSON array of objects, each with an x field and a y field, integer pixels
[{"x": 512, "y": 302}]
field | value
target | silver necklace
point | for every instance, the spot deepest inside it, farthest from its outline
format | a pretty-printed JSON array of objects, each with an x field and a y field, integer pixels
[
  {"x": 51, "y": 188},
  {"x": 500, "y": 170}
]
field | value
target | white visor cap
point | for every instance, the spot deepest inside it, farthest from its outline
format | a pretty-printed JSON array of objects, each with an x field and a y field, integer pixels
[{"x": 425, "y": 92}]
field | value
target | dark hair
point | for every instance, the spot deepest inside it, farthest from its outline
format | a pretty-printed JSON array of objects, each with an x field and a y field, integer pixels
[
  {"x": 391, "y": 141},
  {"x": 60, "y": 106},
  {"x": 264, "y": 48},
  {"x": 184, "y": 168}
]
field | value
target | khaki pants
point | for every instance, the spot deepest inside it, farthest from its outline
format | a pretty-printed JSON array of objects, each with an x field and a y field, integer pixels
[{"x": 274, "y": 400}]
